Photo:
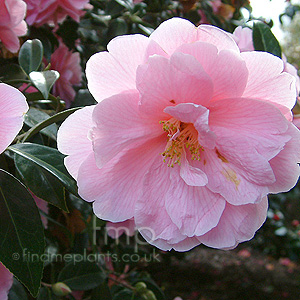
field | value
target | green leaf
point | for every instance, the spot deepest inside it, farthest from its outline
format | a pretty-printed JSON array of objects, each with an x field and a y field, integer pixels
[
  {"x": 264, "y": 40},
  {"x": 82, "y": 275},
  {"x": 49, "y": 159},
  {"x": 35, "y": 116},
  {"x": 44, "y": 81},
  {"x": 124, "y": 295},
  {"x": 56, "y": 118},
  {"x": 46, "y": 294},
  {"x": 22, "y": 233},
  {"x": 117, "y": 27},
  {"x": 31, "y": 55},
  {"x": 12, "y": 74},
  {"x": 43, "y": 184},
  {"x": 102, "y": 292},
  {"x": 17, "y": 291}
]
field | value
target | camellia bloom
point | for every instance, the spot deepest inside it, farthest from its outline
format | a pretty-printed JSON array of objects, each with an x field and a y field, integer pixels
[
  {"x": 53, "y": 12},
  {"x": 67, "y": 63},
  {"x": 13, "y": 106},
  {"x": 6, "y": 281},
  {"x": 12, "y": 24},
  {"x": 188, "y": 138}
]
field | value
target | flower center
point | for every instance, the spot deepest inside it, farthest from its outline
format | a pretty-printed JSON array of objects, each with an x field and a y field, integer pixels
[{"x": 180, "y": 135}]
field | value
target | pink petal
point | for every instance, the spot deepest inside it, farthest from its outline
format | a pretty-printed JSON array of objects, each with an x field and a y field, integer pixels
[
  {"x": 246, "y": 137},
  {"x": 173, "y": 33},
  {"x": 237, "y": 224},
  {"x": 191, "y": 175},
  {"x": 226, "y": 179},
  {"x": 115, "y": 230},
  {"x": 194, "y": 210},
  {"x": 118, "y": 185},
  {"x": 120, "y": 124},
  {"x": 13, "y": 106},
  {"x": 164, "y": 82},
  {"x": 218, "y": 37},
  {"x": 113, "y": 72},
  {"x": 151, "y": 217},
  {"x": 232, "y": 80},
  {"x": 9, "y": 39},
  {"x": 266, "y": 80},
  {"x": 285, "y": 169},
  {"x": 73, "y": 138}
]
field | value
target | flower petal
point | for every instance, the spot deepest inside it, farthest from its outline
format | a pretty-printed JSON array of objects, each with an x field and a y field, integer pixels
[
  {"x": 237, "y": 224},
  {"x": 267, "y": 81},
  {"x": 284, "y": 165},
  {"x": 73, "y": 138},
  {"x": 173, "y": 33},
  {"x": 119, "y": 124},
  {"x": 218, "y": 37},
  {"x": 164, "y": 82},
  {"x": 246, "y": 138},
  {"x": 13, "y": 107},
  {"x": 117, "y": 186},
  {"x": 113, "y": 72},
  {"x": 232, "y": 80}
]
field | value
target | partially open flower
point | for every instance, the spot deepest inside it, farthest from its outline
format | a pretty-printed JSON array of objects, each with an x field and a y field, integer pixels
[{"x": 188, "y": 138}]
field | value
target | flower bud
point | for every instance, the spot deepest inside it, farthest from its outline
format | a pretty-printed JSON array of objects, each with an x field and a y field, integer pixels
[{"x": 60, "y": 289}]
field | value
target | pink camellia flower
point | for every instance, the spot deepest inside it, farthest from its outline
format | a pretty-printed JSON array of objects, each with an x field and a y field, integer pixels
[
  {"x": 53, "y": 12},
  {"x": 188, "y": 138},
  {"x": 13, "y": 106},
  {"x": 67, "y": 63},
  {"x": 12, "y": 24},
  {"x": 244, "y": 40},
  {"x": 6, "y": 281}
]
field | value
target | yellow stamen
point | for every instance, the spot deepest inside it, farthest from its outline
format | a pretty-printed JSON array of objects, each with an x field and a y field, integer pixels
[{"x": 180, "y": 135}]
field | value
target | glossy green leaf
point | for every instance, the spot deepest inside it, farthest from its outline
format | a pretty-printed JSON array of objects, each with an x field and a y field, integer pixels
[
  {"x": 35, "y": 116},
  {"x": 49, "y": 159},
  {"x": 264, "y": 40},
  {"x": 124, "y": 295},
  {"x": 21, "y": 234},
  {"x": 44, "y": 81},
  {"x": 31, "y": 55},
  {"x": 54, "y": 119},
  {"x": 82, "y": 275},
  {"x": 17, "y": 291},
  {"x": 42, "y": 183},
  {"x": 12, "y": 74}
]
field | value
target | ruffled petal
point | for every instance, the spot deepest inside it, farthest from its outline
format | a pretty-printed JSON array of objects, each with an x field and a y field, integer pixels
[
  {"x": 117, "y": 186},
  {"x": 232, "y": 80},
  {"x": 267, "y": 81},
  {"x": 110, "y": 73},
  {"x": 237, "y": 224}
]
